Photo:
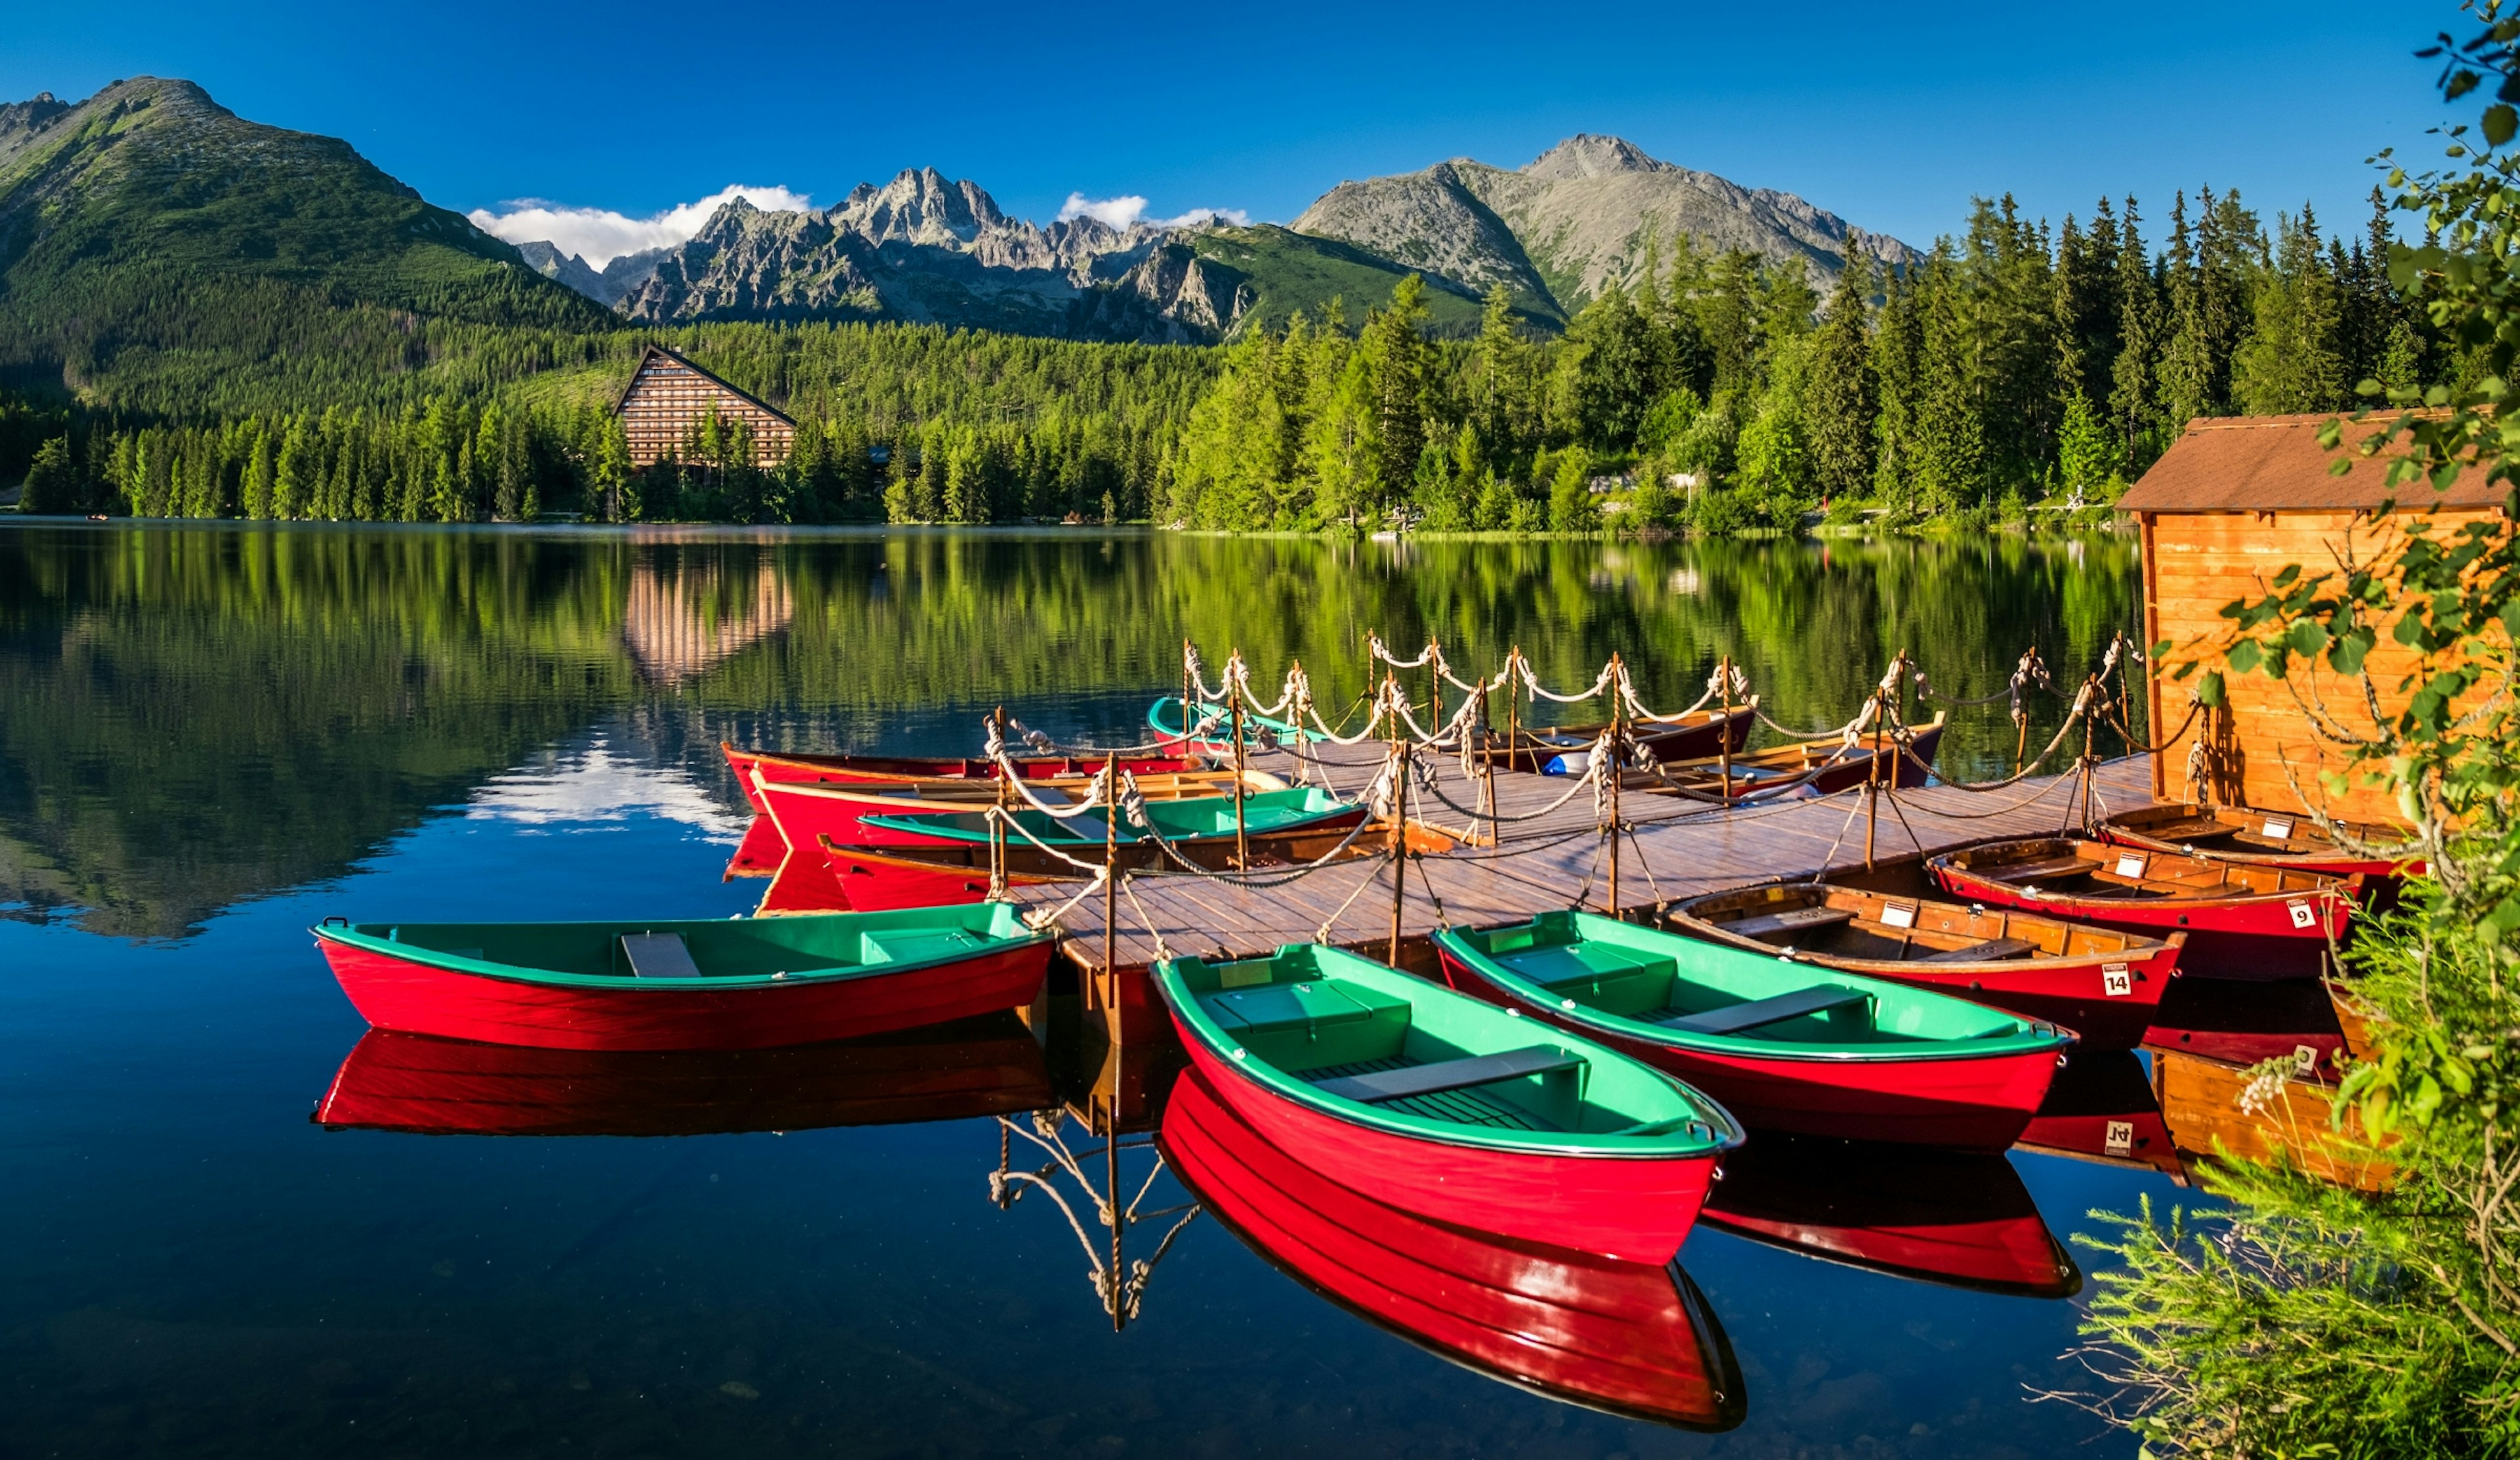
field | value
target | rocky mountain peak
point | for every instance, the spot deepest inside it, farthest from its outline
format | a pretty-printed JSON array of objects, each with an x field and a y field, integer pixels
[{"x": 1586, "y": 156}]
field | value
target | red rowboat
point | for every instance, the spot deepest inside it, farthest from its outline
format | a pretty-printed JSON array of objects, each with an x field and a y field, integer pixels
[
  {"x": 2102, "y": 984},
  {"x": 716, "y": 983},
  {"x": 762, "y": 848},
  {"x": 2260, "y": 839},
  {"x": 1423, "y": 1100},
  {"x": 2100, "y": 1109},
  {"x": 1626, "y": 1338},
  {"x": 1964, "y": 1221},
  {"x": 1784, "y": 1046},
  {"x": 990, "y": 1065},
  {"x": 2242, "y": 922}
]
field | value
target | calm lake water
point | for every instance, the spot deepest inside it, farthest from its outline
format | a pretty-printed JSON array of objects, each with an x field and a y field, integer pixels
[{"x": 211, "y": 738}]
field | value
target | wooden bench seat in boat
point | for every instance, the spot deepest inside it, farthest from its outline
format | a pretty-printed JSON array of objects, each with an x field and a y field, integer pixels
[
  {"x": 658, "y": 955},
  {"x": 1736, "y": 1019},
  {"x": 1790, "y": 922},
  {"x": 1415, "y": 1080},
  {"x": 2039, "y": 871},
  {"x": 1985, "y": 952}
]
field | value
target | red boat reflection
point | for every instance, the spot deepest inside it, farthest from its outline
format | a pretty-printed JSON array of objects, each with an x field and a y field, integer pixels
[
  {"x": 973, "y": 1068},
  {"x": 2246, "y": 1023},
  {"x": 1941, "y": 1216},
  {"x": 2100, "y": 1107},
  {"x": 1626, "y": 1338}
]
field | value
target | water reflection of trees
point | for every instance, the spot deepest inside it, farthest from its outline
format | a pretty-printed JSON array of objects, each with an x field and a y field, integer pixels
[{"x": 192, "y": 716}]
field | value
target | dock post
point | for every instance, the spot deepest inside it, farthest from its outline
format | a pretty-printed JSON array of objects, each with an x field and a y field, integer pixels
[
  {"x": 1434, "y": 685},
  {"x": 1487, "y": 768},
  {"x": 1873, "y": 773},
  {"x": 998, "y": 827},
  {"x": 1724, "y": 745},
  {"x": 1111, "y": 895},
  {"x": 2090, "y": 734},
  {"x": 1242, "y": 841},
  {"x": 1399, "y": 819},
  {"x": 1618, "y": 773},
  {"x": 1512, "y": 708}
]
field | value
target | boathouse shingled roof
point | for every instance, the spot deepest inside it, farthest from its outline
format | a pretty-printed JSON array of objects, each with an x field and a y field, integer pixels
[
  {"x": 2275, "y": 464},
  {"x": 687, "y": 363}
]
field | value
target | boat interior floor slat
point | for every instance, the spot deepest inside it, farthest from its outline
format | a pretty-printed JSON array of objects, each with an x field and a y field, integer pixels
[{"x": 1471, "y": 1107}]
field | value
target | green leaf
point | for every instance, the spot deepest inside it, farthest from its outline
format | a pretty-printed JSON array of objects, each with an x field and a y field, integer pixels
[
  {"x": 2208, "y": 691},
  {"x": 2245, "y": 656},
  {"x": 2308, "y": 637},
  {"x": 2499, "y": 122},
  {"x": 2345, "y": 655}
]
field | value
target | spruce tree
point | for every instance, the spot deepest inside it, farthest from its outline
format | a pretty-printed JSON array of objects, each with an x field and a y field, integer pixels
[{"x": 1840, "y": 403}]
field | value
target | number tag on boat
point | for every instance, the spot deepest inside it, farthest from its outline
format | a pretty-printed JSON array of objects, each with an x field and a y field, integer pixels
[
  {"x": 2302, "y": 916},
  {"x": 2276, "y": 830},
  {"x": 2304, "y": 1059},
  {"x": 2130, "y": 864},
  {"x": 1898, "y": 914},
  {"x": 2116, "y": 1138},
  {"x": 2115, "y": 980}
]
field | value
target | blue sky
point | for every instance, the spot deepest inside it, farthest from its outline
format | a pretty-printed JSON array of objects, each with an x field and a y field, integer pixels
[{"x": 1891, "y": 118}]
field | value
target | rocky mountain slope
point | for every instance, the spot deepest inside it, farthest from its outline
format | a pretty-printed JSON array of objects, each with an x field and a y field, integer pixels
[
  {"x": 606, "y": 286},
  {"x": 927, "y": 249},
  {"x": 1578, "y": 218}
]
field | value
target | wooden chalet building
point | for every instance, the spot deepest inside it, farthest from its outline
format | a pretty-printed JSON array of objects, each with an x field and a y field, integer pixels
[
  {"x": 668, "y": 396},
  {"x": 2228, "y": 506}
]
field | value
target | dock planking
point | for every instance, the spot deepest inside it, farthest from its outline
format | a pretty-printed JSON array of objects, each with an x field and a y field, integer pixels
[{"x": 1556, "y": 858}]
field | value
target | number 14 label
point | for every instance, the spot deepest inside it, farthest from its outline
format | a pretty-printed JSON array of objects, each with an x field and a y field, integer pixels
[{"x": 2115, "y": 980}]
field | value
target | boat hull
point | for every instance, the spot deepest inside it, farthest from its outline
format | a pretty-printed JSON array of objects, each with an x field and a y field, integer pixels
[
  {"x": 419, "y": 999},
  {"x": 1632, "y": 1208},
  {"x": 2252, "y": 938},
  {"x": 1963, "y": 1104},
  {"x": 1626, "y": 1337},
  {"x": 1709, "y": 736}
]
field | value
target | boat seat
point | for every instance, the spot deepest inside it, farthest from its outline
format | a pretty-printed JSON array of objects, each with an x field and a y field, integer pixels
[
  {"x": 2040, "y": 871},
  {"x": 914, "y": 944},
  {"x": 1789, "y": 922},
  {"x": 1450, "y": 1075},
  {"x": 1272, "y": 1007},
  {"x": 1735, "y": 1019},
  {"x": 658, "y": 955},
  {"x": 1985, "y": 952}
]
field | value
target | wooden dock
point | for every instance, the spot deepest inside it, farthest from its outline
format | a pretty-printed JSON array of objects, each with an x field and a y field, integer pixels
[{"x": 1541, "y": 860}]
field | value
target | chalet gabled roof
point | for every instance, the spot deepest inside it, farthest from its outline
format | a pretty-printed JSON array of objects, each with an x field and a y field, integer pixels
[
  {"x": 2275, "y": 464},
  {"x": 653, "y": 350}
]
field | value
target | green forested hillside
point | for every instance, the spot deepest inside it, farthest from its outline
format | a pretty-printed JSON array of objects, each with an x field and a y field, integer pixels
[{"x": 162, "y": 254}]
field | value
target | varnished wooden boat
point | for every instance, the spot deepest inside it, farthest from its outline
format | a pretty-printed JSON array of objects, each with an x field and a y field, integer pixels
[
  {"x": 2241, "y": 920},
  {"x": 1702, "y": 734},
  {"x": 1786, "y": 1047},
  {"x": 2293, "y": 1121},
  {"x": 1630, "y": 1338},
  {"x": 2263, "y": 838},
  {"x": 1938, "y": 1217},
  {"x": 2102, "y": 982},
  {"x": 1446, "y": 1106},
  {"x": 967, "y": 1070},
  {"x": 713, "y": 984},
  {"x": 1807, "y": 767}
]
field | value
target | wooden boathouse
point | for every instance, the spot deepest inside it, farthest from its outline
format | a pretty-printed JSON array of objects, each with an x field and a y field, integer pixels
[
  {"x": 667, "y": 399},
  {"x": 2231, "y": 505}
]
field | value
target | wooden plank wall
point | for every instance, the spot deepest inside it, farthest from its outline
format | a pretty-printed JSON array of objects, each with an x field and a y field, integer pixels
[
  {"x": 668, "y": 397},
  {"x": 2262, "y": 748}
]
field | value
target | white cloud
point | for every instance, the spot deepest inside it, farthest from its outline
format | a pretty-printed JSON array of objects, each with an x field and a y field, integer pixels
[
  {"x": 600, "y": 235},
  {"x": 1128, "y": 209}
]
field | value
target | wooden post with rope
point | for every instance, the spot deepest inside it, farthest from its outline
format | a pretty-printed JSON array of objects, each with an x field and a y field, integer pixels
[
  {"x": 1513, "y": 706},
  {"x": 1112, "y": 893},
  {"x": 1723, "y": 741},
  {"x": 998, "y": 823},
  {"x": 1115, "y": 1276},
  {"x": 1435, "y": 685},
  {"x": 2126, "y": 707},
  {"x": 1618, "y": 772},
  {"x": 1242, "y": 841},
  {"x": 1487, "y": 768},
  {"x": 1873, "y": 772},
  {"x": 1400, "y": 749},
  {"x": 2092, "y": 690}
]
